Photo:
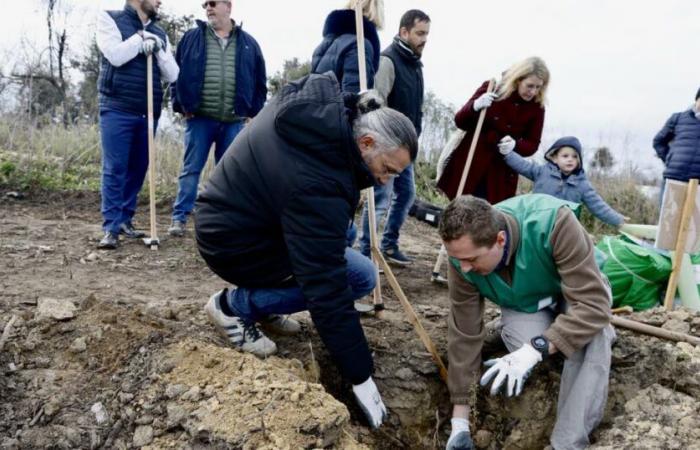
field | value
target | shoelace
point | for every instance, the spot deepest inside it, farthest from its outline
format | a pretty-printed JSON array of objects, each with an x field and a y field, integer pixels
[{"x": 249, "y": 329}]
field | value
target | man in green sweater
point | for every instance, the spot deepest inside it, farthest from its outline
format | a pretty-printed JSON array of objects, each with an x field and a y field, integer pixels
[
  {"x": 221, "y": 86},
  {"x": 532, "y": 257}
]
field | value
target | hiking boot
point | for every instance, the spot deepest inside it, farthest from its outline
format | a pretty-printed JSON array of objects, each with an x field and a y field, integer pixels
[
  {"x": 110, "y": 241},
  {"x": 241, "y": 333},
  {"x": 278, "y": 324},
  {"x": 395, "y": 256},
  {"x": 177, "y": 229},
  {"x": 128, "y": 230}
]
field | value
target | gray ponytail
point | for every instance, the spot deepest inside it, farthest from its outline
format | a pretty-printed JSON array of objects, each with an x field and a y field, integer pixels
[{"x": 389, "y": 128}]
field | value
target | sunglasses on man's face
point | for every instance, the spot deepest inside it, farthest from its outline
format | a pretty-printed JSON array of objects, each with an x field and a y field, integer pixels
[{"x": 212, "y": 3}]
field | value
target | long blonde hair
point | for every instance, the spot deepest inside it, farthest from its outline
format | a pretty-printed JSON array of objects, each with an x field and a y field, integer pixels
[
  {"x": 373, "y": 10},
  {"x": 521, "y": 70}
]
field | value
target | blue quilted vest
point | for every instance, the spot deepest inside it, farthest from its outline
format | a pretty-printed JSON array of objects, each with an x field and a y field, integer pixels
[{"x": 124, "y": 88}]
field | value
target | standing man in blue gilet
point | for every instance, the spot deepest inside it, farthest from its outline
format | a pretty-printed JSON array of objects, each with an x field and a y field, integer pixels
[
  {"x": 124, "y": 39},
  {"x": 222, "y": 85},
  {"x": 399, "y": 81}
]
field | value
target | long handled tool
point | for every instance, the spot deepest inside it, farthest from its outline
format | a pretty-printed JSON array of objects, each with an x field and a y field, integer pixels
[
  {"x": 377, "y": 255},
  {"x": 435, "y": 276},
  {"x": 151, "y": 241},
  {"x": 654, "y": 331},
  {"x": 360, "y": 33}
]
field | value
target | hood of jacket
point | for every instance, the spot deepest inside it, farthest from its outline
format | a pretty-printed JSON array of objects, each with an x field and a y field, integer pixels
[
  {"x": 566, "y": 141},
  {"x": 342, "y": 21},
  {"x": 313, "y": 117}
]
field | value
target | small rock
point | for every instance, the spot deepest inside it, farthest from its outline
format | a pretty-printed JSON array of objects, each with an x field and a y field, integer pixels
[
  {"x": 193, "y": 395},
  {"x": 676, "y": 325},
  {"x": 55, "y": 309},
  {"x": 176, "y": 415},
  {"x": 679, "y": 314},
  {"x": 143, "y": 435},
  {"x": 483, "y": 438},
  {"x": 12, "y": 367},
  {"x": 211, "y": 362},
  {"x": 294, "y": 397},
  {"x": 175, "y": 390},
  {"x": 146, "y": 419},
  {"x": 405, "y": 374},
  {"x": 52, "y": 407},
  {"x": 9, "y": 444},
  {"x": 79, "y": 345},
  {"x": 125, "y": 397},
  {"x": 92, "y": 257},
  {"x": 100, "y": 413}
]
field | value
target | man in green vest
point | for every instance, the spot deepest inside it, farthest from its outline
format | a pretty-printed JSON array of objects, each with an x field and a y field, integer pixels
[
  {"x": 532, "y": 257},
  {"x": 221, "y": 86}
]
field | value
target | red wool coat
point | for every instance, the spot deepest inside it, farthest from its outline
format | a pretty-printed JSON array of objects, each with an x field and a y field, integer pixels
[{"x": 513, "y": 116}]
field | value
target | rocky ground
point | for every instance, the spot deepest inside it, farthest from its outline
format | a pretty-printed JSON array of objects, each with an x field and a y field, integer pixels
[{"x": 113, "y": 350}]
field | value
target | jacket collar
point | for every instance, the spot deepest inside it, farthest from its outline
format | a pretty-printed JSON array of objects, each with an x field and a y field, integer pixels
[
  {"x": 202, "y": 25},
  {"x": 405, "y": 50},
  {"x": 513, "y": 233}
]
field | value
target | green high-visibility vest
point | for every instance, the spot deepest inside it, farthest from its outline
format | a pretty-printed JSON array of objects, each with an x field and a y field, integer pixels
[{"x": 535, "y": 279}]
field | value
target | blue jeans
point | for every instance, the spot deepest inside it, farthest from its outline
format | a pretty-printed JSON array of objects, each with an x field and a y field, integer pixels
[
  {"x": 256, "y": 304},
  {"x": 401, "y": 190},
  {"x": 200, "y": 133},
  {"x": 124, "y": 139}
]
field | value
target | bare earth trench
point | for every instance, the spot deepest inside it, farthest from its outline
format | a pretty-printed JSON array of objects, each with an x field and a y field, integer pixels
[{"x": 113, "y": 350}]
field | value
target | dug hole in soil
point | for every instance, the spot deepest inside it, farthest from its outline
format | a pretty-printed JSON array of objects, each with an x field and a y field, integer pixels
[{"x": 112, "y": 349}]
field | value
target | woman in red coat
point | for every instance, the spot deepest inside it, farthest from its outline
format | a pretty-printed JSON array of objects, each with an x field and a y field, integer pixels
[{"x": 514, "y": 120}]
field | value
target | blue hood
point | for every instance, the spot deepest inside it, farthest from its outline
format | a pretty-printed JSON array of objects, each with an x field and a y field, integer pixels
[
  {"x": 342, "y": 21},
  {"x": 566, "y": 141}
]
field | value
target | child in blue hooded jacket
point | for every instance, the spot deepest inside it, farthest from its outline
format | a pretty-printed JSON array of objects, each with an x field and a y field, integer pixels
[{"x": 562, "y": 176}]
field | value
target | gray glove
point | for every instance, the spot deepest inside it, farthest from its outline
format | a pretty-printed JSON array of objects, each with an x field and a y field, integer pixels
[
  {"x": 506, "y": 145},
  {"x": 367, "y": 395},
  {"x": 460, "y": 439},
  {"x": 484, "y": 101},
  {"x": 151, "y": 43}
]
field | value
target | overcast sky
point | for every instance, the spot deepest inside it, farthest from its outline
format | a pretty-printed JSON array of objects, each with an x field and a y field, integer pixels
[{"x": 619, "y": 68}]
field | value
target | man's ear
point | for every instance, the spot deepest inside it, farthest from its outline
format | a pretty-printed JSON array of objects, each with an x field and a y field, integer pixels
[
  {"x": 404, "y": 33},
  {"x": 365, "y": 143},
  {"x": 501, "y": 238}
]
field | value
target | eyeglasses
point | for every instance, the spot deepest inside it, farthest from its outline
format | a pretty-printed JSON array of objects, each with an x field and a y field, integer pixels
[{"x": 212, "y": 3}]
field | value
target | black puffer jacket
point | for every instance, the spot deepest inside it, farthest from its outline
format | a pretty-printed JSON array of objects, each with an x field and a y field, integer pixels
[
  {"x": 678, "y": 146},
  {"x": 279, "y": 203}
]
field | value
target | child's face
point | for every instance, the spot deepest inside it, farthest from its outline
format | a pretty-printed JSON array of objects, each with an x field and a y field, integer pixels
[{"x": 567, "y": 160}]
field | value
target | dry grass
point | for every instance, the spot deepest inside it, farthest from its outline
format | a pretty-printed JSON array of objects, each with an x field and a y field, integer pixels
[{"x": 57, "y": 158}]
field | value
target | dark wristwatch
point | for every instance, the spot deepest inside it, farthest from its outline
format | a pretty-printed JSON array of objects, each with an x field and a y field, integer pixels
[{"x": 541, "y": 344}]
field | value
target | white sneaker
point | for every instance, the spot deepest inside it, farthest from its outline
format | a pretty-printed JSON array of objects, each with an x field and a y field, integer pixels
[
  {"x": 245, "y": 336},
  {"x": 283, "y": 325}
]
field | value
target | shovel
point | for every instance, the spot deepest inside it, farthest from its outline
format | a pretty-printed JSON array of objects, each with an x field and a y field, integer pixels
[{"x": 151, "y": 241}]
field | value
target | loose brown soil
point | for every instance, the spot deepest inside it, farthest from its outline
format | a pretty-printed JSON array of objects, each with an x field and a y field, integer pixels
[{"x": 132, "y": 362}]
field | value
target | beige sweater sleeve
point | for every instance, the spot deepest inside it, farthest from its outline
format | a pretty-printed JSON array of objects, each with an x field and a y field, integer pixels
[
  {"x": 465, "y": 337},
  {"x": 582, "y": 286}
]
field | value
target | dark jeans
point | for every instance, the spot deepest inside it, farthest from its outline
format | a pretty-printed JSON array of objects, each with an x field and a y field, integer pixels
[
  {"x": 124, "y": 139},
  {"x": 256, "y": 304},
  {"x": 200, "y": 133}
]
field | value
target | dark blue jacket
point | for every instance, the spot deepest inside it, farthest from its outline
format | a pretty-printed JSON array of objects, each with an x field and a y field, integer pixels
[
  {"x": 123, "y": 88},
  {"x": 548, "y": 179},
  {"x": 678, "y": 146},
  {"x": 278, "y": 204},
  {"x": 338, "y": 50},
  {"x": 251, "y": 79}
]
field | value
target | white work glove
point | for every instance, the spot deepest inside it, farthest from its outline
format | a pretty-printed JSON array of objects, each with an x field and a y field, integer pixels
[
  {"x": 484, "y": 101},
  {"x": 460, "y": 439},
  {"x": 151, "y": 43},
  {"x": 370, "y": 401},
  {"x": 506, "y": 145},
  {"x": 515, "y": 366}
]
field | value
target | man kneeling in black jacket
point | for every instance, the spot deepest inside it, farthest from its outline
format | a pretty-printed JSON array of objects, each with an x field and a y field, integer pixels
[{"x": 274, "y": 215}]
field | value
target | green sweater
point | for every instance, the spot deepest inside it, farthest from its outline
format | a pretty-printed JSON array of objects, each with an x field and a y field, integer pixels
[
  {"x": 219, "y": 88},
  {"x": 535, "y": 278}
]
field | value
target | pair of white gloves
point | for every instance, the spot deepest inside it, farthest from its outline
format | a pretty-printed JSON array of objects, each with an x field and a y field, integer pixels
[
  {"x": 514, "y": 367},
  {"x": 507, "y": 144},
  {"x": 151, "y": 43}
]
